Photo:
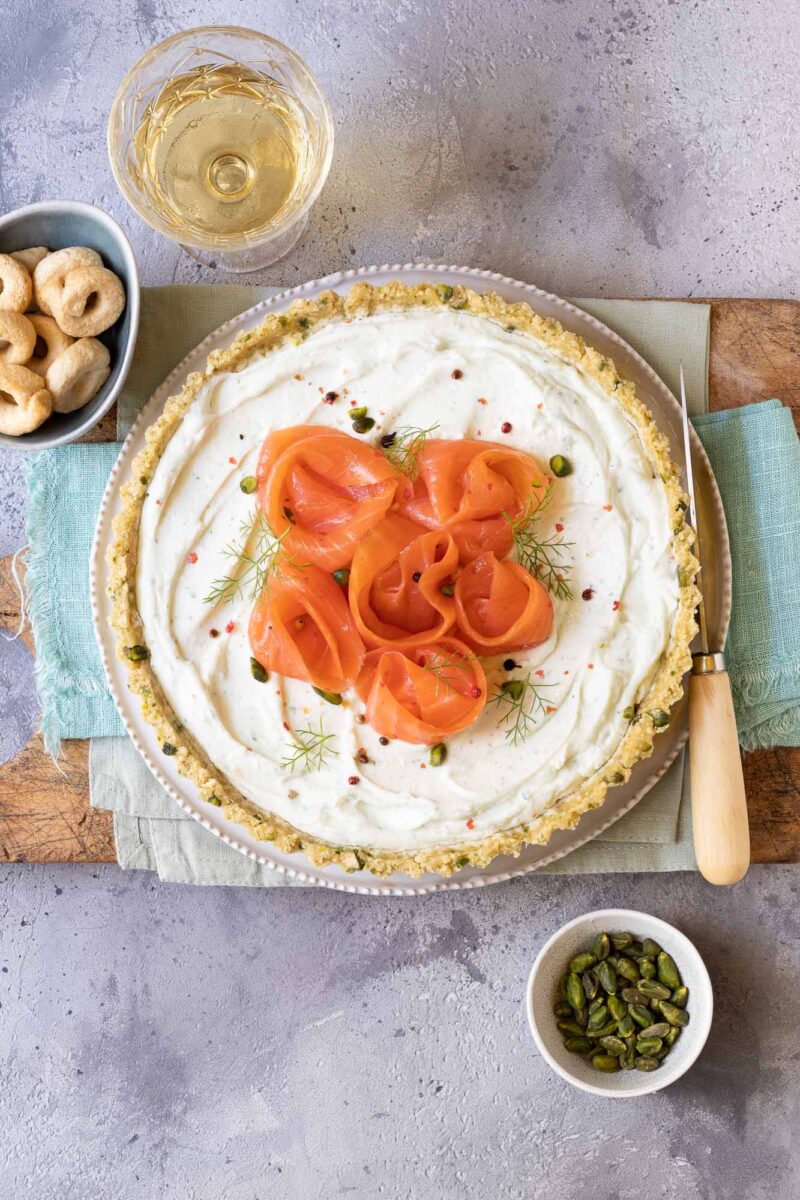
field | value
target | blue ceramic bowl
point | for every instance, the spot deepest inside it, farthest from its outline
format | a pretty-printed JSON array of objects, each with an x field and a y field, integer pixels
[{"x": 60, "y": 223}]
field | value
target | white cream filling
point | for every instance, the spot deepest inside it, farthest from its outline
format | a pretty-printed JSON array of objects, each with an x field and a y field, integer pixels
[{"x": 598, "y": 660}]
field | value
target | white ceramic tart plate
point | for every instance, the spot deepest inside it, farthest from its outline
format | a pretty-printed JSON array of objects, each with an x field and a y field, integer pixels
[{"x": 653, "y": 394}]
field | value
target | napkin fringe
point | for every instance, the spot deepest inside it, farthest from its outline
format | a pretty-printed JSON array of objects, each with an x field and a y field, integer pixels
[
  {"x": 754, "y": 686},
  {"x": 776, "y": 731},
  {"x": 47, "y": 667}
]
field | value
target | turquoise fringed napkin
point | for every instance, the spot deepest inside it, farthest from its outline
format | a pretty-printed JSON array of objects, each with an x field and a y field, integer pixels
[
  {"x": 755, "y": 454},
  {"x": 65, "y": 487}
]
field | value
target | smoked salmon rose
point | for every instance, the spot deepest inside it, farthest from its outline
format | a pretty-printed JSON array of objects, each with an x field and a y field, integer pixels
[
  {"x": 501, "y": 607},
  {"x": 474, "y": 490},
  {"x": 399, "y": 570},
  {"x": 423, "y": 694},
  {"x": 301, "y": 627},
  {"x": 323, "y": 490}
]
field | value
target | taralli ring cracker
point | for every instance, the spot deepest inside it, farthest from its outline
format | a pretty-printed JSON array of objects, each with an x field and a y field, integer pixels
[
  {"x": 24, "y": 401},
  {"x": 47, "y": 301},
  {"x": 49, "y": 342},
  {"x": 30, "y": 257},
  {"x": 50, "y": 273},
  {"x": 78, "y": 374},
  {"x": 90, "y": 301},
  {"x": 17, "y": 337},
  {"x": 16, "y": 287}
]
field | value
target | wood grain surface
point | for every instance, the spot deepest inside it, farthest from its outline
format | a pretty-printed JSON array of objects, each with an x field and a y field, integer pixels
[{"x": 45, "y": 814}]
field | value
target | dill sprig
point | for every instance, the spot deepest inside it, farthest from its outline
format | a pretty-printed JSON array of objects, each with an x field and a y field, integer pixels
[
  {"x": 447, "y": 670},
  {"x": 405, "y": 447},
  {"x": 524, "y": 702},
  {"x": 258, "y": 555},
  {"x": 309, "y": 749},
  {"x": 543, "y": 557}
]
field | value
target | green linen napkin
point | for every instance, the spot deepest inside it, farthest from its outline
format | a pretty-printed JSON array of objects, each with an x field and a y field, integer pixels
[
  {"x": 150, "y": 830},
  {"x": 755, "y": 454}
]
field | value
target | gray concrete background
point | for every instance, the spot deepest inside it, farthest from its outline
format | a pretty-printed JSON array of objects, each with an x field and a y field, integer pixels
[{"x": 160, "y": 1041}]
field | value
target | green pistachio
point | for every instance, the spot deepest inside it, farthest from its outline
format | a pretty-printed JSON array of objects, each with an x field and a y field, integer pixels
[
  {"x": 675, "y": 1016},
  {"x": 560, "y": 466},
  {"x": 617, "y": 1007},
  {"x": 608, "y": 977},
  {"x": 259, "y": 673},
  {"x": 331, "y": 697},
  {"x": 613, "y": 1045},
  {"x": 591, "y": 984},
  {"x": 653, "y": 989},
  {"x": 436, "y": 757},
  {"x": 645, "y": 1063},
  {"x": 605, "y": 1062},
  {"x": 601, "y": 947},
  {"x": 667, "y": 971},
  {"x": 582, "y": 962},
  {"x": 575, "y": 993},
  {"x": 640, "y": 1014},
  {"x": 577, "y": 1045},
  {"x": 650, "y": 1045},
  {"x": 659, "y": 1030}
]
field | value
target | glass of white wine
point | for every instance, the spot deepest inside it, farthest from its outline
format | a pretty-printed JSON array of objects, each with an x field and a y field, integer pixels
[{"x": 221, "y": 139}]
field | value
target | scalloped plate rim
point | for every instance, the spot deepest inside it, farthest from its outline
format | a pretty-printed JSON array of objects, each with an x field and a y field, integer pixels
[{"x": 332, "y": 877}]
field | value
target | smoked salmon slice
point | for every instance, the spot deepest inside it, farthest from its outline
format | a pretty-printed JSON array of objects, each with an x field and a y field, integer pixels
[
  {"x": 422, "y": 694},
  {"x": 324, "y": 487},
  {"x": 301, "y": 627},
  {"x": 501, "y": 607},
  {"x": 470, "y": 488},
  {"x": 396, "y": 577}
]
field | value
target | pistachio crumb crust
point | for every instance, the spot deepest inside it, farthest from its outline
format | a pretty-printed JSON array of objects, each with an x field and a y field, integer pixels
[{"x": 293, "y": 326}]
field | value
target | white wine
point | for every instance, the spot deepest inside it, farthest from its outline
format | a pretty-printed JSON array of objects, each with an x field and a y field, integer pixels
[{"x": 219, "y": 153}]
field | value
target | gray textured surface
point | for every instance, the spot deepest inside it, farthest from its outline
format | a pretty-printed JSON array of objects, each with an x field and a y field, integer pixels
[{"x": 160, "y": 1041}]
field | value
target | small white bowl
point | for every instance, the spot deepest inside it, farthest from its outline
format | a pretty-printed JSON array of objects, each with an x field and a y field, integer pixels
[{"x": 550, "y": 965}]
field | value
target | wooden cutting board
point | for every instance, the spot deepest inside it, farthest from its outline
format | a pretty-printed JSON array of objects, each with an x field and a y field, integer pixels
[{"x": 45, "y": 814}]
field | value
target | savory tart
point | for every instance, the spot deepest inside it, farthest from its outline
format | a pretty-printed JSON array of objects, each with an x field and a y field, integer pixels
[{"x": 403, "y": 579}]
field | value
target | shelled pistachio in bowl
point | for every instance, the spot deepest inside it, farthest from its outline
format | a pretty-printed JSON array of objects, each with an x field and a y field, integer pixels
[
  {"x": 622, "y": 1003},
  {"x": 619, "y": 1002}
]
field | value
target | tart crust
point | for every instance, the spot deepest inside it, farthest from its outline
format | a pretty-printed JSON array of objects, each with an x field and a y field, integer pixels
[{"x": 294, "y": 325}]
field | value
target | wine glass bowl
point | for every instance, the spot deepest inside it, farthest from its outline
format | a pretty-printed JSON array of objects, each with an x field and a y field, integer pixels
[{"x": 221, "y": 139}]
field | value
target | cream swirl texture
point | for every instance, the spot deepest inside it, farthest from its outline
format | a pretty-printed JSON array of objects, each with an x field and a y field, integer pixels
[{"x": 603, "y": 653}]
